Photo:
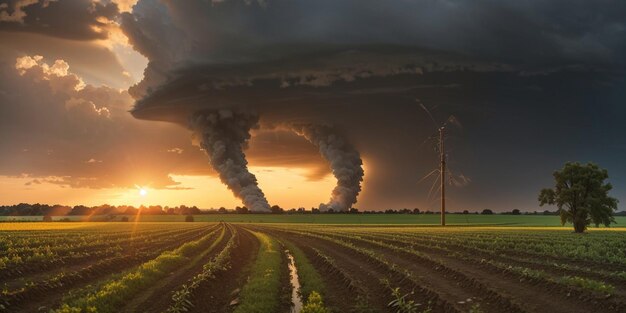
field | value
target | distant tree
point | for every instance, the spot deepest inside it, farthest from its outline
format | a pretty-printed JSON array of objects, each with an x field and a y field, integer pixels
[
  {"x": 124, "y": 219},
  {"x": 276, "y": 209},
  {"x": 581, "y": 196},
  {"x": 315, "y": 210},
  {"x": 189, "y": 218},
  {"x": 47, "y": 218},
  {"x": 241, "y": 210},
  {"x": 486, "y": 212},
  {"x": 516, "y": 212},
  {"x": 222, "y": 210},
  {"x": 80, "y": 210},
  {"x": 465, "y": 212},
  {"x": 129, "y": 210},
  {"x": 104, "y": 209},
  {"x": 353, "y": 211},
  {"x": 58, "y": 209},
  {"x": 416, "y": 211}
]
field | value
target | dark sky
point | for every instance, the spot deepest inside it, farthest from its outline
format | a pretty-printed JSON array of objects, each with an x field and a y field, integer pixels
[{"x": 534, "y": 84}]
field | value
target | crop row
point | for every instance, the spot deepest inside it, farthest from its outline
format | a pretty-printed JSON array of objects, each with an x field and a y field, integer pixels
[
  {"x": 470, "y": 258},
  {"x": 109, "y": 295},
  {"x": 67, "y": 279},
  {"x": 399, "y": 274},
  {"x": 598, "y": 247},
  {"x": 568, "y": 285},
  {"x": 17, "y": 242},
  {"x": 17, "y": 266},
  {"x": 181, "y": 298},
  {"x": 480, "y": 253}
]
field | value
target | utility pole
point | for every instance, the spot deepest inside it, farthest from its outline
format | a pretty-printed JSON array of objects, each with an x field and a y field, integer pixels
[{"x": 442, "y": 172}]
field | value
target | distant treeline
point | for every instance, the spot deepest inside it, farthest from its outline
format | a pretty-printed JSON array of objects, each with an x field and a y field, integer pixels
[{"x": 25, "y": 209}]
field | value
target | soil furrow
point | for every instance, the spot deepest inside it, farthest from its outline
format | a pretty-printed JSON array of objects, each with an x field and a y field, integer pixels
[
  {"x": 365, "y": 273},
  {"x": 531, "y": 297},
  {"x": 618, "y": 282},
  {"x": 217, "y": 294}
]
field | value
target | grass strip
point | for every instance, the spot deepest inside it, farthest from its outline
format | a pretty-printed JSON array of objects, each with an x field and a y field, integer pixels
[{"x": 261, "y": 292}]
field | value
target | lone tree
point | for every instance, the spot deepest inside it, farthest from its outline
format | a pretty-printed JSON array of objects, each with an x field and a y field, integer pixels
[{"x": 581, "y": 195}]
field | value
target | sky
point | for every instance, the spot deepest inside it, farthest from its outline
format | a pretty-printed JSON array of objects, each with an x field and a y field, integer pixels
[{"x": 231, "y": 102}]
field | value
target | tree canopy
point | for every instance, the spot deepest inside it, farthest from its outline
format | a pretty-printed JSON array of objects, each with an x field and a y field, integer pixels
[{"x": 581, "y": 195}]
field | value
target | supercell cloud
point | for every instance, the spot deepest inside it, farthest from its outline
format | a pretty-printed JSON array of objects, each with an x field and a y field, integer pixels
[{"x": 224, "y": 67}]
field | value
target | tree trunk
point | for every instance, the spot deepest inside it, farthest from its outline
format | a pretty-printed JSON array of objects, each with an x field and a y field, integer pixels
[{"x": 579, "y": 226}]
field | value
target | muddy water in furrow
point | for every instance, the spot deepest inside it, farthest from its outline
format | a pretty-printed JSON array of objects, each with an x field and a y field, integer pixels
[{"x": 296, "y": 301}]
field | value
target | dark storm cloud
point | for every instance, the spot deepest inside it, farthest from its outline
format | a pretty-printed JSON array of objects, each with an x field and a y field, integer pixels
[
  {"x": 242, "y": 31},
  {"x": 359, "y": 65},
  {"x": 319, "y": 43},
  {"x": 69, "y": 19}
]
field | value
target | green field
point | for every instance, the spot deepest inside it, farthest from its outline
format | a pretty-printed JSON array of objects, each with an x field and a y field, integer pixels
[
  {"x": 244, "y": 267},
  {"x": 387, "y": 219}
]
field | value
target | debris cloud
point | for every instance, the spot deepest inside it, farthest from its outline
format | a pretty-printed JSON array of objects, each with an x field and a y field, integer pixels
[
  {"x": 224, "y": 134},
  {"x": 345, "y": 162}
]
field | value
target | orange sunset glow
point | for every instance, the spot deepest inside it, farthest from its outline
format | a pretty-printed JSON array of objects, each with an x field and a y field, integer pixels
[
  {"x": 295, "y": 190},
  {"x": 312, "y": 156}
]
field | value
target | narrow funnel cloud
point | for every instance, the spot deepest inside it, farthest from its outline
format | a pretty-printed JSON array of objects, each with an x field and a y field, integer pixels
[
  {"x": 345, "y": 163},
  {"x": 223, "y": 135}
]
